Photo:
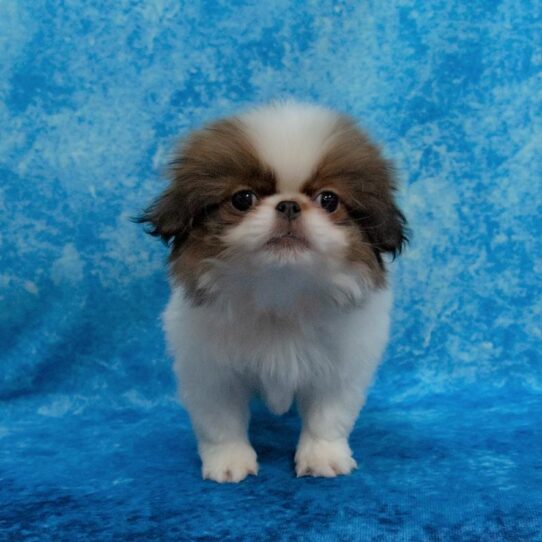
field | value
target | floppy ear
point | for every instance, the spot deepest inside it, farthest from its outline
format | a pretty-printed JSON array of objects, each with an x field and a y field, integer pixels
[
  {"x": 167, "y": 217},
  {"x": 384, "y": 224},
  {"x": 378, "y": 215}
]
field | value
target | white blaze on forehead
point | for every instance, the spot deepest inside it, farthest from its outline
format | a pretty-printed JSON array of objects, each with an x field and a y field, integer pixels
[{"x": 290, "y": 138}]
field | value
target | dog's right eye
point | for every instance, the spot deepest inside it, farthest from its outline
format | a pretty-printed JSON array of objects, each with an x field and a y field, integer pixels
[{"x": 243, "y": 200}]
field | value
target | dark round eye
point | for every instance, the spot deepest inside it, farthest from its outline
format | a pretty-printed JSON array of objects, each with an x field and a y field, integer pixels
[
  {"x": 329, "y": 201},
  {"x": 243, "y": 200}
]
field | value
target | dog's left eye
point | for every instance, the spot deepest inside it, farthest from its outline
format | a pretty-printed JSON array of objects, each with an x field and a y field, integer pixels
[
  {"x": 329, "y": 201},
  {"x": 243, "y": 200}
]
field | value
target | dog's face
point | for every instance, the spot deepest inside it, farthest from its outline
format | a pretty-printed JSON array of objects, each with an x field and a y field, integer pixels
[{"x": 287, "y": 186}]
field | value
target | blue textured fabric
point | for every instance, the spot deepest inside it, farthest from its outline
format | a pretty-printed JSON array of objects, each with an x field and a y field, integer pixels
[{"x": 93, "y": 95}]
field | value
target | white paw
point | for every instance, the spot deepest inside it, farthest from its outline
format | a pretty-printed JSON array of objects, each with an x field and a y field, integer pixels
[
  {"x": 228, "y": 462},
  {"x": 328, "y": 458}
]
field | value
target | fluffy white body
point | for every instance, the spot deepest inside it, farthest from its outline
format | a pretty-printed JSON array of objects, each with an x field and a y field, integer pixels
[
  {"x": 324, "y": 357},
  {"x": 290, "y": 312}
]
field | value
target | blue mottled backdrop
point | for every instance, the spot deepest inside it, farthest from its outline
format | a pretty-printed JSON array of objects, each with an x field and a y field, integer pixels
[{"x": 93, "y": 445}]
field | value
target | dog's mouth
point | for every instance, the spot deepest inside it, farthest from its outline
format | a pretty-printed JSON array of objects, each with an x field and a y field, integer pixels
[{"x": 288, "y": 241}]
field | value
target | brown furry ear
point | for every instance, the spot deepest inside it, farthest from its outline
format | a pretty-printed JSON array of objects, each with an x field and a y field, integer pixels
[
  {"x": 384, "y": 224},
  {"x": 377, "y": 213},
  {"x": 166, "y": 218}
]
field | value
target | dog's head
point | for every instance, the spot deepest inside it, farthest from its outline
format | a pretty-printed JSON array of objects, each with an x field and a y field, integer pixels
[{"x": 285, "y": 186}]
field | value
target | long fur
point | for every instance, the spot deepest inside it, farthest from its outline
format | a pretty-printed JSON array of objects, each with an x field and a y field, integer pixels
[{"x": 290, "y": 309}]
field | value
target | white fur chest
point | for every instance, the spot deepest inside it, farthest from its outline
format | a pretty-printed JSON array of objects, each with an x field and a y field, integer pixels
[{"x": 275, "y": 355}]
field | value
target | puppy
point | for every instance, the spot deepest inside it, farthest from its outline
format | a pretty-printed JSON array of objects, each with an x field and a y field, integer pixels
[{"x": 279, "y": 222}]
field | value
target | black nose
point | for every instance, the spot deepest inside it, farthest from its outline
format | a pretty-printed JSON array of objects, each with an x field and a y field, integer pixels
[{"x": 290, "y": 209}]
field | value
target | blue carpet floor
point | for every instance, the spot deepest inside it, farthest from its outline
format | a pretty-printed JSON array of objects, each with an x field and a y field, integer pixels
[{"x": 93, "y": 95}]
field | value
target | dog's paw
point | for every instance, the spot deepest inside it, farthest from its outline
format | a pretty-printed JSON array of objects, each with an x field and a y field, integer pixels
[
  {"x": 328, "y": 458},
  {"x": 228, "y": 462}
]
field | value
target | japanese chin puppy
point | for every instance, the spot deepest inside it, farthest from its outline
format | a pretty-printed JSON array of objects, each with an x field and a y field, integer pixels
[{"x": 280, "y": 222}]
